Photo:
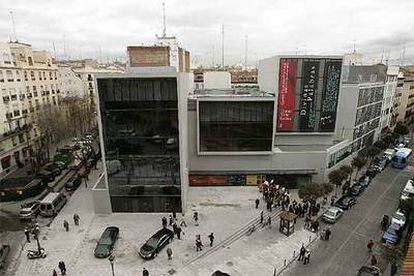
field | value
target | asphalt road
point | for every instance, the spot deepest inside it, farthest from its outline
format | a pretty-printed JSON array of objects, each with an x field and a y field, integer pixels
[{"x": 346, "y": 251}]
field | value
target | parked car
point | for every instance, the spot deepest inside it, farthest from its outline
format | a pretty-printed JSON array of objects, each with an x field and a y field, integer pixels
[
  {"x": 46, "y": 176},
  {"x": 356, "y": 189},
  {"x": 29, "y": 210},
  {"x": 4, "y": 251},
  {"x": 369, "y": 271},
  {"x": 389, "y": 153},
  {"x": 346, "y": 202},
  {"x": 364, "y": 181},
  {"x": 372, "y": 171},
  {"x": 106, "y": 243},
  {"x": 391, "y": 236},
  {"x": 73, "y": 183},
  {"x": 53, "y": 168},
  {"x": 157, "y": 242},
  {"x": 380, "y": 163},
  {"x": 398, "y": 218},
  {"x": 62, "y": 165},
  {"x": 332, "y": 214}
]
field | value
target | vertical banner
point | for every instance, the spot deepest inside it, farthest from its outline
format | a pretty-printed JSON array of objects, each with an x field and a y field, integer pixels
[
  {"x": 286, "y": 99},
  {"x": 330, "y": 94},
  {"x": 307, "y": 111}
]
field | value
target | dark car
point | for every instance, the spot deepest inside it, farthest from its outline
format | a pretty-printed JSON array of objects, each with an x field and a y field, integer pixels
[
  {"x": 53, "y": 168},
  {"x": 369, "y": 271},
  {"x": 220, "y": 273},
  {"x": 106, "y": 243},
  {"x": 380, "y": 164},
  {"x": 364, "y": 181},
  {"x": 345, "y": 202},
  {"x": 371, "y": 172},
  {"x": 73, "y": 183},
  {"x": 46, "y": 176},
  {"x": 157, "y": 242},
  {"x": 356, "y": 189},
  {"x": 4, "y": 251}
]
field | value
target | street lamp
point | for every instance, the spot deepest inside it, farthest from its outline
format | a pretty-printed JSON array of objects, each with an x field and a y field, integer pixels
[{"x": 111, "y": 261}]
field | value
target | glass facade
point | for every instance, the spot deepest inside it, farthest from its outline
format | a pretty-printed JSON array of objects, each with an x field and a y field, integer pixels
[
  {"x": 140, "y": 131},
  {"x": 235, "y": 126}
]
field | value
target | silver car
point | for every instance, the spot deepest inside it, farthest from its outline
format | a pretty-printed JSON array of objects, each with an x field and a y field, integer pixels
[{"x": 332, "y": 214}]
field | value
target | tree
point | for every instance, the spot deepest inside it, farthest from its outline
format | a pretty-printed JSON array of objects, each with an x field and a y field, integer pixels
[
  {"x": 358, "y": 163},
  {"x": 313, "y": 191},
  {"x": 373, "y": 151},
  {"x": 336, "y": 177},
  {"x": 382, "y": 145},
  {"x": 348, "y": 170},
  {"x": 401, "y": 129}
]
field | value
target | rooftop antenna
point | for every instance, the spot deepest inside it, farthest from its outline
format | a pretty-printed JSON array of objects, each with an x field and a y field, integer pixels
[
  {"x": 54, "y": 50},
  {"x": 382, "y": 56},
  {"x": 222, "y": 45},
  {"x": 354, "y": 46},
  {"x": 164, "y": 30},
  {"x": 64, "y": 47},
  {"x": 13, "y": 27},
  {"x": 245, "y": 52},
  {"x": 403, "y": 55}
]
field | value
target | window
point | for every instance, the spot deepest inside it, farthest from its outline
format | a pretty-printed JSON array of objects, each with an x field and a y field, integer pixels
[
  {"x": 25, "y": 76},
  {"x": 17, "y": 75},
  {"x": 30, "y": 60},
  {"x": 1, "y": 76},
  {"x": 6, "y": 58},
  {"x": 44, "y": 75},
  {"x": 50, "y": 76},
  {"x": 32, "y": 75},
  {"x": 40, "y": 75},
  {"x": 9, "y": 75},
  {"x": 21, "y": 138},
  {"x": 55, "y": 76},
  {"x": 27, "y": 89}
]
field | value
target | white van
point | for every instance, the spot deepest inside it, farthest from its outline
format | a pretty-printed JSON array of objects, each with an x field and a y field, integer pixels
[
  {"x": 52, "y": 204},
  {"x": 408, "y": 191}
]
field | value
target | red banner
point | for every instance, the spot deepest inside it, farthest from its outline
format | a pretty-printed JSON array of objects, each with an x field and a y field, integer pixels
[{"x": 286, "y": 101}]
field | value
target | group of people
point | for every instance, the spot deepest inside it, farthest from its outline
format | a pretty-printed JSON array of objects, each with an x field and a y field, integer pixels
[
  {"x": 76, "y": 219},
  {"x": 35, "y": 231},
  {"x": 62, "y": 268},
  {"x": 304, "y": 255}
]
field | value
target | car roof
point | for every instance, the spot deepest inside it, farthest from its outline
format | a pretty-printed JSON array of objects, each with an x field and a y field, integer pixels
[
  {"x": 161, "y": 232},
  {"x": 334, "y": 209}
]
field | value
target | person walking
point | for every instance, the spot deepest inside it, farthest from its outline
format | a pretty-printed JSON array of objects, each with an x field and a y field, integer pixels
[
  {"x": 211, "y": 237},
  {"x": 199, "y": 244},
  {"x": 169, "y": 253},
  {"x": 257, "y": 202},
  {"x": 66, "y": 225},
  {"x": 373, "y": 260},
  {"x": 370, "y": 244},
  {"x": 306, "y": 257},
  {"x": 171, "y": 220},
  {"x": 302, "y": 253},
  {"x": 54, "y": 273},
  {"x": 195, "y": 217},
  {"x": 261, "y": 217},
  {"x": 76, "y": 219},
  {"x": 269, "y": 221},
  {"x": 145, "y": 272},
  {"x": 394, "y": 269},
  {"x": 327, "y": 233},
  {"x": 62, "y": 267},
  {"x": 178, "y": 232},
  {"x": 27, "y": 234},
  {"x": 164, "y": 222},
  {"x": 182, "y": 222}
]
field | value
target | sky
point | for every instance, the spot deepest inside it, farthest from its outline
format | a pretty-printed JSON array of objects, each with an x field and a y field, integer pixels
[{"x": 102, "y": 29}]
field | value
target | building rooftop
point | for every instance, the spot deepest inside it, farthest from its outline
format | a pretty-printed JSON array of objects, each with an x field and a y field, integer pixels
[{"x": 233, "y": 92}]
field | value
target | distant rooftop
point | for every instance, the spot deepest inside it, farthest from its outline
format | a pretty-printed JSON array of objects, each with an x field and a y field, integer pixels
[{"x": 233, "y": 92}]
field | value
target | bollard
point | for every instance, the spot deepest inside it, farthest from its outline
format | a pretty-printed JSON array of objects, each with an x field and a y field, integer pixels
[
  {"x": 284, "y": 262},
  {"x": 294, "y": 254}
]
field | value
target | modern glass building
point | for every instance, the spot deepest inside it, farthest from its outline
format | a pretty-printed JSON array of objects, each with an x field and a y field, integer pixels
[{"x": 140, "y": 138}]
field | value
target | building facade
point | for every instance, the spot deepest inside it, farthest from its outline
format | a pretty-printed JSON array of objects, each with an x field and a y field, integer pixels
[{"x": 28, "y": 81}]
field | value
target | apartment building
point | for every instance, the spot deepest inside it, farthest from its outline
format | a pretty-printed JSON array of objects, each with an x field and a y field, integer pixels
[
  {"x": 406, "y": 105},
  {"x": 28, "y": 80}
]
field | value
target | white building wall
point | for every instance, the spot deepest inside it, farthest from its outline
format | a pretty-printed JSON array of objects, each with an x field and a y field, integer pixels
[{"x": 217, "y": 80}]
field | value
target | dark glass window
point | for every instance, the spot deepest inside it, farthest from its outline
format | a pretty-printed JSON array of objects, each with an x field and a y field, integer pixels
[
  {"x": 236, "y": 125},
  {"x": 140, "y": 130}
]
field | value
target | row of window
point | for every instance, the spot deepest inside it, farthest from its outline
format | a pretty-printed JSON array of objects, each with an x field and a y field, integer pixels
[{"x": 10, "y": 77}]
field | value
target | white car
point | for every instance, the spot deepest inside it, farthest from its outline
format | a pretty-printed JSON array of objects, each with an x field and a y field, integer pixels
[
  {"x": 398, "y": 218},
  {"x": 29, "y": 210},
  {"x": 332, "y": 214}
]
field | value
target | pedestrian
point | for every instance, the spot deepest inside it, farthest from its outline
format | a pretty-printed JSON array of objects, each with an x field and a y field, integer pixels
[
  {"x": 257, "y": 203},
  {"x": 55, "y": 273},
  {"x": 174, "y": 215},
  {"x": 86, "y": 181},
  {"x": 199, "y": 244},
  {"x": 66, "y": 225},
  {"x": 76, "y": 219},
  {"x": 164, "y": 222},
  {"x": 394, "y": 269},
  {"x": 62, "y": 267},
  {"x": 183, "y": 221},
  {"x": 195, "y": 217},
  {"x": 325, "y": 200},
  {"x": 27, "y": 234},
  {"x": 269, "y": 221},
  {"x": 145, "y": 272},
  {"x": 211, "y": 237},
  {"x": 306, "y": 257},
  {"x": 373, "y": 260},
  {"x": 261, "y": 217},
  {"x": 332, "y": 200},
  {"x": 178, "y": 232},
  {"x": 370, "y": 245},
  {"x": 327, "y": 233},
  {"x": 169, "y": 253},
  {"x": 302, "y": 253},
  {"x": 171, "y": 220}
]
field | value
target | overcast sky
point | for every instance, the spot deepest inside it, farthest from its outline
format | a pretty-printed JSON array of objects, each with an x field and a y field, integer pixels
[{"x": 97, "y": 30}]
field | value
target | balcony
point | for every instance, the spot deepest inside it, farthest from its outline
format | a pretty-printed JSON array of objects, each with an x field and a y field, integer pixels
[{"x": 6, "y": 99}]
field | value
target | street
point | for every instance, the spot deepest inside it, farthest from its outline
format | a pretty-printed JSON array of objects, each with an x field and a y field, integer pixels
[{"x": 346, "y": 251}]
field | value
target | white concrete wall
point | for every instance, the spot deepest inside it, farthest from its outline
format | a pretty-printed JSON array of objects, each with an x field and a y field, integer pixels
[
  {"x": 217, "y": 80},
  {"x": 346, "y": 113},
  {"x": 101, "y": 198}
]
